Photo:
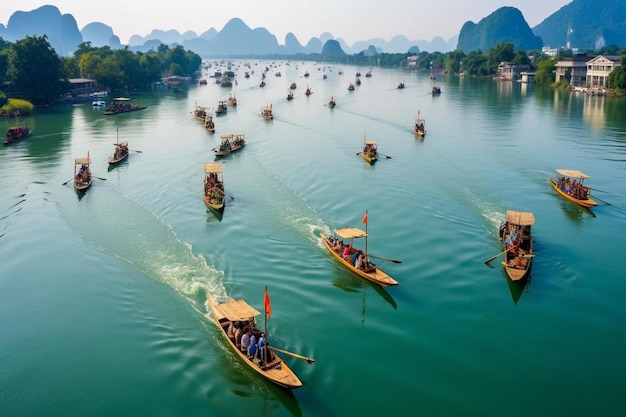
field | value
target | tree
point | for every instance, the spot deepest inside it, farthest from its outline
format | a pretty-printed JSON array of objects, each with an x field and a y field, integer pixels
[
  {"x": 544, "y": 74},
  {"x": 36, "y": 70},
  {"x": 617, "y": 78}
]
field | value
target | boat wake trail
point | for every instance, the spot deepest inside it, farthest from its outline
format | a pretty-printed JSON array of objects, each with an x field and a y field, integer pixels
[{"x": 136, "y": 235}]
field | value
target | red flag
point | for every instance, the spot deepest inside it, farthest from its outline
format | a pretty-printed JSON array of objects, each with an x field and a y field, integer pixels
[
  {"x": 365, "y": 218},
  {"x": 268, "y": 306}
]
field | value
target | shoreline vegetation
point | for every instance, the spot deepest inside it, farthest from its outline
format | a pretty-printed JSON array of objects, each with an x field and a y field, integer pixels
[{"x": 121, "y": 71}]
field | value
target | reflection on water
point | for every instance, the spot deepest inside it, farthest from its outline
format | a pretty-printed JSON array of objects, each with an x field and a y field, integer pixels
[
  {"x": 353, "y": 283},
  {"x": 517, "y": 287}
]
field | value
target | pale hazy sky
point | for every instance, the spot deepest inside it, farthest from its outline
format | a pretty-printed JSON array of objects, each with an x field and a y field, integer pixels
[{"x": 350, "y": 20}]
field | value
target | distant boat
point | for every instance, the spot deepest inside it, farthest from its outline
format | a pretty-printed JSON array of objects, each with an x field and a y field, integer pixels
[
  {"x": 266, "y": 112},
  {"x": 121, "y": 105},
  {"x": 420, "y": 125},
  {"x": 17, "y": 133},
  {"x": 332, "y": 103}
]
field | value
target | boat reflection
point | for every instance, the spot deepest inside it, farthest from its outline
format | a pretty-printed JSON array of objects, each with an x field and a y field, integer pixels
[
  {"x": 350, "y": 283},
  {"x": 517, "y": 287},
  {"x": 246, "y": 383},
  {"x": 575, "y": 212}
]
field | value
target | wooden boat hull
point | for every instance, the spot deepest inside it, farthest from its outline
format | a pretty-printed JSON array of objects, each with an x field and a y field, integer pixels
[
  {"x": 111, "y": 113},
  {"x": 82, "y": 185},
  {"x": 378, "y": 276},
  {"x": 419, "y": 133},
  {"x": 113, "y": 161},
  {"x": 219, "y": 207},
  {"x": 588, "y": 203},
  {"x": 370, "y": 159},
  {"x": 275, "y": 371}
]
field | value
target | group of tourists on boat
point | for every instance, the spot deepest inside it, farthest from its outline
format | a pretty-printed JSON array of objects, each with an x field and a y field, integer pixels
[
  {"x": 419, "y": 128},
  {"x": 516, "y": 240},
  {"x": 17, "y": 133},
  {"x": 573, "y": 188},
  {"x": 213, "y": 188},
  {"x": 121, "y": 150},
  {"x": 354, "y": 257},
  {"x": 84, "y": 173},
  {"x": 249, "y": 340}
]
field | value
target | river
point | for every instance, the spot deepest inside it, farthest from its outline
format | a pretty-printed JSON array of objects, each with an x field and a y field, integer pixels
[{"x": 102, "y": 296}]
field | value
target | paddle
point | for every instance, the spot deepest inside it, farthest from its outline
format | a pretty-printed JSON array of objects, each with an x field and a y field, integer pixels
[
  {"x": 359, "y": 153},
  {"x": 494, "y": 257},
  {"x": 67, "y": 181},
  {"x": 386, "y": 156},
  {"x": 295, "y": 355},
  {"x": 100, "y": 178},
  {"x": 135, "y": 151},
  {"x": 395, "y": 261},
  {"x": 602, "y": 191},
  {"x": 599, "y": 199}
]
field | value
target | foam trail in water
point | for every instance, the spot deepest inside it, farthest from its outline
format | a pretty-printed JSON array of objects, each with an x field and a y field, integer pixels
[{"x": 139, "y": 237}]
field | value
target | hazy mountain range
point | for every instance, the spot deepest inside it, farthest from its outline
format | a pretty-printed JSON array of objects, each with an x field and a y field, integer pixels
[{"x": 585, "y": 24}]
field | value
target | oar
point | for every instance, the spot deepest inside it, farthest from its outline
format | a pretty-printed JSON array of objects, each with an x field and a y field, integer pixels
[
  {"x": 295, "y": 355},
  {"x": 67, "y": 181},
  {"x": 135, "y": 151},
  {"x": 602, "y": 191},
  {"x": 100, "y": 178},
  {"x": 359, "y": 153},
  {"x": 494, "y": 257},
  {"x": 386, "y": 156},
  {"x": 599, "y": 199},
  {"x": 395, "y": 261}
]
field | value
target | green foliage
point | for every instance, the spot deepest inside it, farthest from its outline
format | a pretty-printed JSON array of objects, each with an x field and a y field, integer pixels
[
  {"x": 544, "y": 74},
  {"x": 16, "y": 105},
  {"x": 3, "y": 99},
  {"x": 617, "y": 77},
  {"x": 27, "y": 58}
]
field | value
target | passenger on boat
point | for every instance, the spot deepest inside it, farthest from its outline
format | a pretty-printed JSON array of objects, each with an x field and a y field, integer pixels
[
  {"x": 252, "y": 348},
  {"x": 358, "y": 264},
  {"x": 245, "y": 341},
  {"x": 347, "y": 250},
  {"x": 261, "y": 346},
  {"x": 231, "y": 331},
  {"x": 354, "y": 256},
  {"x": 338, "y": 247},
  {"x": 238, "y": 334}
]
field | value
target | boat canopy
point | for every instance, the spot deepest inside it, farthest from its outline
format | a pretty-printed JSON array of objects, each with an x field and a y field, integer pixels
[
  {"x": 350, "y": 233},
  {"x": 572, "y": 173},
  {"x": 237, "y": 310},
  {"x": 227, "y": 136},
  {"x": 81, "y": 161},
  {"x": 370, "y": 141},
  {"x": 212, "y": 167},
  {"x": 521, "y": 218}
]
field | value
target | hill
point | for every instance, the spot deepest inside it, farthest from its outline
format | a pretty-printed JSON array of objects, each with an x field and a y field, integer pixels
[
  {"x": 507, "y": 24},
  {"x": 585, "y": 24}
]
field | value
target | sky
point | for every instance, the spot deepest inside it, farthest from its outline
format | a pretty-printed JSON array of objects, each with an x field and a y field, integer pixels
[{"x": 350, "y": 20}]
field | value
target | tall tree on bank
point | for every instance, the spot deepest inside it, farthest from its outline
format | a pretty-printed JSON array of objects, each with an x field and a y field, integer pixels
[{"x": 35, "y": 70}]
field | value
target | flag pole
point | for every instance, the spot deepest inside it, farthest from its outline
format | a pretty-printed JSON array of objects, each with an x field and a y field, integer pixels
[
  {"x": 366, "y": 221},
  {"x": 265, "y": 303}
]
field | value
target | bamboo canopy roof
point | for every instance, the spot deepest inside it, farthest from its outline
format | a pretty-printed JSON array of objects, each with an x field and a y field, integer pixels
[
  {"x": 350, "y": 233},
  {"x": 237, "y": 310},
  {"x": 572, "y": 173},
  {"x": 521, "y": 218},
  {"x": 210, "y": 167}
]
